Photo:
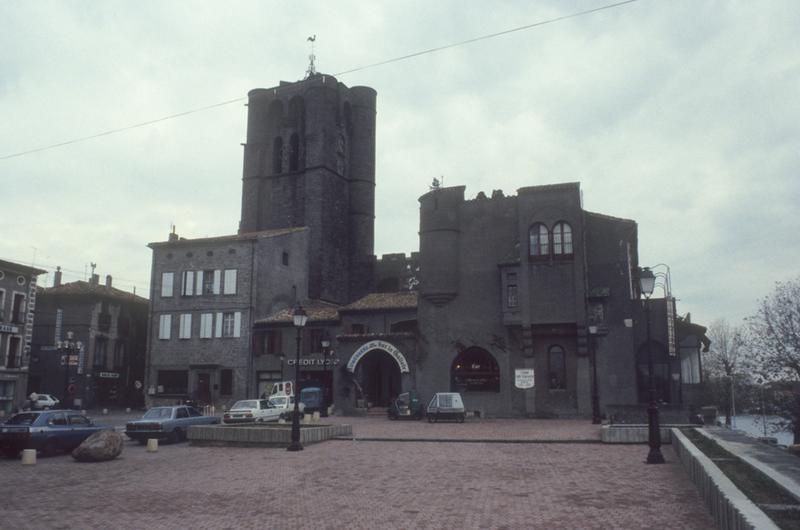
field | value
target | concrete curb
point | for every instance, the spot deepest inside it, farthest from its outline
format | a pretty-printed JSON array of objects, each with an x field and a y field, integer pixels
[
  {"x": 264, "y": 435},
  {"x": 728, "y": 505},
  {"x": 791, "y": 486},
  {"x": 632, "y": 434},
  {"x": 465, "y": 440}
]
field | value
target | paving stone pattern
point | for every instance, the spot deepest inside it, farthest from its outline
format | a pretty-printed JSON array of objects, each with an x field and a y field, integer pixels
[{"x": 358, "y": 484}]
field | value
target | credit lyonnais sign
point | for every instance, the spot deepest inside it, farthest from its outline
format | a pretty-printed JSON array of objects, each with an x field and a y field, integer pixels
[
  {"x": 378, "y": 345},
  {"x": 314, "y": 362}
]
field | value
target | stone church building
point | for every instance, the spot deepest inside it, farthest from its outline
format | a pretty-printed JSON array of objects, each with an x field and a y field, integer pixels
[{"x": 502, "y": 287}]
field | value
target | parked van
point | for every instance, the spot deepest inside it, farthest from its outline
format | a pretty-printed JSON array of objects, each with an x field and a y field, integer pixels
[{"x": 446, "y": 405}]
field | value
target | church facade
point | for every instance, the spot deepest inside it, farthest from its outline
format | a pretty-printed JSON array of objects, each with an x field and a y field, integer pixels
[{"x": 527, "y": 304}]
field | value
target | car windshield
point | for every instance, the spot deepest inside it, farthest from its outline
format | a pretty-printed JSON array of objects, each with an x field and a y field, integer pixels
[
  {"x": 278, "y": 401},
  {"x": 158, "y": 413},
  {"x": 248, "y": 404},
  {"x": 26, "y": 418}
]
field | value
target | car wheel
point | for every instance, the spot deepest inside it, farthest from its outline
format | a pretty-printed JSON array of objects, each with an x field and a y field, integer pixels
[
  {"x": 141, "y": 441},
  {"x": 462, "y": 418},
  {"x": 430, "y": 419},
  {"x": 50, "y": 448}
]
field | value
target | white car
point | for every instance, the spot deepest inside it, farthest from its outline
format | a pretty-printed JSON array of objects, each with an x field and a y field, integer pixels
[
  {"x": 44, "y": 401},
  {"x": 252, "y": 411},
  {"x": 285, "y": 404}
]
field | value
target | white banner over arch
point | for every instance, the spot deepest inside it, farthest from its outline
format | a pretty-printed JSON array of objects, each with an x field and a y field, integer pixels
[{"x": 378, "y": 345}]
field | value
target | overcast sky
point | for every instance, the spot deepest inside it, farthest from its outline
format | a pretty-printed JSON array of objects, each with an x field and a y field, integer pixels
[{"x": 683, "y": 115}]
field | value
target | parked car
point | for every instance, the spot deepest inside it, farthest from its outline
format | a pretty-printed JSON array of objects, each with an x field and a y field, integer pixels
[
  {"x": 44, "y": 402},
  {"x": 252, "y": 411},
  {"x": 167, "y": 423},
  {"x": 48, "y": 431},
  {"x": 406, "y": 406},
  {"x": 285, "y": 404},
  {"x": 446, "y": 405}
]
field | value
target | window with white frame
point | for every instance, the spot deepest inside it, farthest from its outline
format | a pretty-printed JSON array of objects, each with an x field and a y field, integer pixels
[
  {"x": 167, "y": 282},
  {"x": 185, "y": 331},
  {"x": 562, "y": 239},
  {"x": 2, "y": 305},
  {"x": 208, "y": 282},
  {"x": 230, "y": 281},
  {"x": 187, "y": 288},
  {"x": 229, "y": 324},
  {"x": 164, "y": 326},
  {"x": 206, "y": 325},
  {"x": 18, "y": 309}
]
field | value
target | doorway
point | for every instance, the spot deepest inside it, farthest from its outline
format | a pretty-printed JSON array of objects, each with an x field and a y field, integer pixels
[
  {"x": 378, "y": 376},
  {"x": 204, "y": 388}
]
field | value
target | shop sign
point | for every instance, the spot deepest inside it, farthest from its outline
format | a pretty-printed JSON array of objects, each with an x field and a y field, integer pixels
[
  {"x": 378, "y": 345},
  {"x": 523, "y": 378},
  {"x": 8, "y": 328},
  {"x": 108, "y": 375},
  {"x": 314, "y": 362}
]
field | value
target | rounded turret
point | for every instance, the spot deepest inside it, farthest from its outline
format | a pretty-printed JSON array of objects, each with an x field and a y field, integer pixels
[{"x": 439, "y": 234}]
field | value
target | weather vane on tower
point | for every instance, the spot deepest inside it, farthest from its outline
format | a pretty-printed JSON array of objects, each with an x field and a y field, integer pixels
[{"x": 311, "y": 68}]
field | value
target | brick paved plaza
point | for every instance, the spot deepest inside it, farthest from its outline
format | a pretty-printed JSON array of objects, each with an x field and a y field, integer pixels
[{"x": 360, "y": 484}]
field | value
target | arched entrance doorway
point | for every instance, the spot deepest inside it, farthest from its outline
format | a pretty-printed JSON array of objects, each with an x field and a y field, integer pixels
[{"x": 377, "y": 369}]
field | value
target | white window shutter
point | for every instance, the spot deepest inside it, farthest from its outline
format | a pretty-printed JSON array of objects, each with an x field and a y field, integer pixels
[
  {"x": 189, "y": 283},
  {"x": 219, "y": 325},
  {"x": 237, "y": 324},
  {"x": 217, "y": 280},
  {"x": 164, "y": 326},
  {"x": 230, "y": 281},
  {"x": 198, "y": 286}
]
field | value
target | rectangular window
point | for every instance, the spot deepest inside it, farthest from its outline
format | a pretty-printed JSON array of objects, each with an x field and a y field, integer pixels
[
  {"x": 164, "y": 325},
  {"x": 185, "y": 331},
  {"x": 2, "y": 305},
  {"x": 119, "y": 354},
  {"x": 59, "y": 322},
  {"x": 167, "y": 279},
  {"x": 14, "y": 350},
  {"x": 511, "y": 290},
  {"x": 188, "y": 283},
  {"x": 272, "y": 342},
  {"x": 208, "y": 282},
  {"x": 230, "y": 281},
  {"x": 231, "y": 324},
  {"x": 100, "y": 352},
  {"x": 18, "y": 309},
  {"x": 226, "y": 382},
  {"x": 358, "y": 329},
  {"x": 314, "y": 341},
  {"x": 206, "y": 325},
  {"x": 173, "y": 381}
]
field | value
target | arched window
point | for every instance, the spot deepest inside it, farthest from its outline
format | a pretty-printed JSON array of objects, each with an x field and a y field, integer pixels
[
  {"x": 556, "y": 368},
  {"x": 294, "y": 155},
  {"x": 475, "y": 370},
  {"x": 277, "y": 155},
  {"x": 562, "y": 239},
  {"x": 539, "y": 240}
]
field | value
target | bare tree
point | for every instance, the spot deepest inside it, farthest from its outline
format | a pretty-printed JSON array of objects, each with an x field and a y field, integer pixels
[
  {"x": 725, "y": 362},
  {"x": 774, "y": 338}
]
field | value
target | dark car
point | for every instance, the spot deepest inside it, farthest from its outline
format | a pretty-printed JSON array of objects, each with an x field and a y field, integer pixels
[
  {"x": 406, "y": 406},
  {"x": 46, "y": 431},
  {"x": 167, "y": 423}
]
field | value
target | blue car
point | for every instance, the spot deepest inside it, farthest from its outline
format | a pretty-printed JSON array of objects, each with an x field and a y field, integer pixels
[
  {"x": 47, "y": 431},
  {"x": 167, "y": 423}
]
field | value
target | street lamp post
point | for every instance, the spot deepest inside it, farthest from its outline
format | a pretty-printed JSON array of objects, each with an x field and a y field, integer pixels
[
  {"x": 647, "y": 282},
  {"x": 326, "y": 343},
  {"x": 595, "y": 397},
  {"x": 282, "y": 358},
  {"x": 299, "y": 318},
  {"x": 68, "y": 348}
]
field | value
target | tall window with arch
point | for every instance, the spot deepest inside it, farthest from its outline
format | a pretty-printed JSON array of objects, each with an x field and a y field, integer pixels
[
  {"x": 562, "y": 239},
  {"x": 294, "y": 152},
  {"x": 277, "y": 155},
  {"x": 556, "y": 368},
  {"x": 539, "y": 240}
]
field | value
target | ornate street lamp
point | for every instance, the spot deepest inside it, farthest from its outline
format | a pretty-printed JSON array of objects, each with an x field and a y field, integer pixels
[
  {"x": 593, "y": 331},
  {"x": 647, "y": 282},
  {"x": 299, "y": 318}
]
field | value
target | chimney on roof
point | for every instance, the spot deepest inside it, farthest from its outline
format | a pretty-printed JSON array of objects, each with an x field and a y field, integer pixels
[
  {"x": 108, "y": 281},
  {"x": 172, "y": 235},
  {"x": 94, "y": 280},
  {"x": 57, "y": 277}
]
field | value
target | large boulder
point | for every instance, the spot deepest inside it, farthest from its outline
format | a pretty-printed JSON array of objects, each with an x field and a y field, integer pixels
[{"x": 99, "y": 447}]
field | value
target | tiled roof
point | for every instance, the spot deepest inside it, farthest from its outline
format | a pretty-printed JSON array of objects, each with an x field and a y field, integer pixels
[
  {"x": 85, "y": 288},
  {"x": 317, "y": 310},
  {"x": 379, "y": 301},
  {"x": 234, "y": 237},
  {"x": 18, "y": 267}
]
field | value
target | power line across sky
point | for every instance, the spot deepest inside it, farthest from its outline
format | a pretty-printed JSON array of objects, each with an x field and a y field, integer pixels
[{"x": 344, "y": 72}]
